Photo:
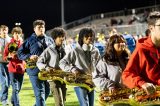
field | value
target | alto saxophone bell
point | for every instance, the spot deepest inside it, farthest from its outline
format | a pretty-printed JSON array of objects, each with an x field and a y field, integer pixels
[{"x": 12, "y": 47}]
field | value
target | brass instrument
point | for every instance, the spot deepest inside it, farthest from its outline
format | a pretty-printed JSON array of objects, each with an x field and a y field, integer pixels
[
  {"x": 12, "y": 47},
  {"x": 83, "y": 80},
  {"x": 30, "y": 63},
  {"x": 117, "y": 95},
  {"x": 134, "y": 97},
  {"x": 141, "y": 96}
]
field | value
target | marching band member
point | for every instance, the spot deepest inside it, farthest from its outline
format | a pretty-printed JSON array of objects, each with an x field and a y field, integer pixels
[
  {"x": 82, "y": 59},
  {"x": 49, "y": 59},
  {"x": 4, "y": 75},
  {"x": 143, "y": 68},
  {"x": 15, "y": 67},
  {"x": 29, "y": 51},
  {"x": 107, "y": 74}
]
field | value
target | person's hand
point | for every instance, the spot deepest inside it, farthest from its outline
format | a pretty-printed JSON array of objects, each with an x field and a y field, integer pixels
[
  {"x": 76, "y": 73},
  {"x": 34, "y": 58},
  {"x": 12, "y": 55},
  {"x": 112, "y": 90},
  {"x": 50, "y": 70},
  {"x": 149, "y": 88}
]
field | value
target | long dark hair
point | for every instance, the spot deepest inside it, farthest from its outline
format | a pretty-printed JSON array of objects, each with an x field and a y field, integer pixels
[{"x": 110, "y": 55}]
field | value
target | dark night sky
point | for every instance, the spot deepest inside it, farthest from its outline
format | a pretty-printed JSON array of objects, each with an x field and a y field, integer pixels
[{"x": 26, "y": 11}]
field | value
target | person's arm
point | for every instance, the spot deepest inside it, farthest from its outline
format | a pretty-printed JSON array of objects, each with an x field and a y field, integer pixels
[
  {"x": 24, "y": 51},
  {"x": 131, "y": 75},
  {"x": 67, "y": 63},
  {"x": 43, "y": 59},
  {"x": 100, "y": 77},
  {"x": 6, "y": 52}
]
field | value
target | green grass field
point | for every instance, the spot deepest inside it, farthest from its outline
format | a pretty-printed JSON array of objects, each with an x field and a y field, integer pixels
[{"x": 27, "y": 97}]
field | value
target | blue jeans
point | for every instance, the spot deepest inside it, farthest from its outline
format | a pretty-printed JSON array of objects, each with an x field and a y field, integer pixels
[
  {"x": 41, "y": 90},
  {"x": 16, "y": 82},
  {"x": 85, "y": 97},
  {"x": 4, "y": 82}
]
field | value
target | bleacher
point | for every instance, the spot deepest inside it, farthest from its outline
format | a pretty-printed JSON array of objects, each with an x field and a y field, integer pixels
[{"x": 102, "y": 22}]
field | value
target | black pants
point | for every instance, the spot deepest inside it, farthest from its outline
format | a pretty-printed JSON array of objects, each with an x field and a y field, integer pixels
[{"x": 59, "y": 92}]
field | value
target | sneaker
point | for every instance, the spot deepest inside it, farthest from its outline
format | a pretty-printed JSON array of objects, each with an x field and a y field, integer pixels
[{"x": 5, "y": 103}]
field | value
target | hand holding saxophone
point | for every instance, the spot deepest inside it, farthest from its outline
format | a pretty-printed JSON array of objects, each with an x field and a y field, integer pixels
[
  {"x": 77, "y": 73},
  {"x": 50, "y": 70},
  {"x": 112, "y": 90},
  {"x": 149, "y": 88},
  {"x": 12, "y": 55},
  {"x": 31, "y": 62},
  {"x": 33, "y": 58}
]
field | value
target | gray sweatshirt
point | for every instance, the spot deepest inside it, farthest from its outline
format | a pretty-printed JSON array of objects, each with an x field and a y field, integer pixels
[
  {"x": 3, "y": 43},
  {"x": 106, "y": 75},
  {"x": 78, "y": 59},
  {"x": 50, "y": 57}
]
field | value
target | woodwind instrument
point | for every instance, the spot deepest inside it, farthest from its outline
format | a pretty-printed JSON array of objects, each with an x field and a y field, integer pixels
[
  {"x": 141, "y": 96},
  {"x": 134, "y": 97},
  {"x": 30, "y": 63},
  {"x": 83, "y": 80},
  {"x": 12, "y": 47}
]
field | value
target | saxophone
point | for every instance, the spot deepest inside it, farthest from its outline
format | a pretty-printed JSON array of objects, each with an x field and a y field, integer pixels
[
  {"x": 120, "y": 93},
  {"x": 141, "y": 96},
  {"x": 30, "y": 63},
  {"x": 83, "y": 80},
  {"x": 132, "y": 96},
  {"x": 12, "y": 47}
]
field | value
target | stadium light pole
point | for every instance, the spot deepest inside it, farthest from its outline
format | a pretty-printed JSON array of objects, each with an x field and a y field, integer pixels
[
  {"x": 155, "y": 4},
  {"x": 62, "y": 14}
]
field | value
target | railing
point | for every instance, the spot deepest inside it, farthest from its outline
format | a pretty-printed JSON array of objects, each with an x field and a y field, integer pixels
[
  {"x": 135, "y": 29},
  {"x": 109, "y": 14}
]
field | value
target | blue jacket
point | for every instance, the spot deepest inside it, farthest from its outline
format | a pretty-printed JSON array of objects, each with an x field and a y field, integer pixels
[{"x": 33, "y": 46}]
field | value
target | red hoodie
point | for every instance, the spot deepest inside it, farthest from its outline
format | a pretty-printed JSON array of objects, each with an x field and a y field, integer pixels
[
  {"x": 143, "y": 65},
  {"x": 15, "y": 65}
]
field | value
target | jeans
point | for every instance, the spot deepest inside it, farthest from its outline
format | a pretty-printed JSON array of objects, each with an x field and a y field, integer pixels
[
  {"x": 85, "y": 97},
  {"x": 16, "y": 82},
  {"x": 4, "y": 82},
  {"x": 59, "y": 92},
  {"x": 41, "y": 90}
]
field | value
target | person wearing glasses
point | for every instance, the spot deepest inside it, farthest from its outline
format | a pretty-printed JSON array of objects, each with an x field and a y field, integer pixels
[{"x": 143, "y": 68}]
